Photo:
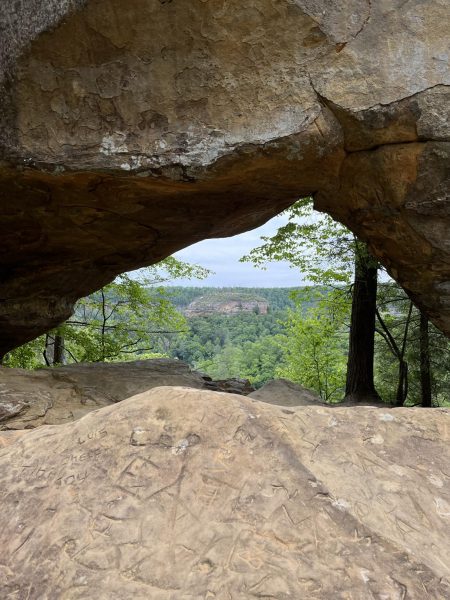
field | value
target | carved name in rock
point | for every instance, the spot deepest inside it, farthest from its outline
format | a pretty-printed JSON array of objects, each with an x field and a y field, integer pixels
[
  {"x": 180, "y": 493},
  {"x": 130, "y": 130}
]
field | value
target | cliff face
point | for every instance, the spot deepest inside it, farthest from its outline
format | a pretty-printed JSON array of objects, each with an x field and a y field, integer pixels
[
  {"x": 130, "y": 130},
  {"x": 230, "y": 305}
]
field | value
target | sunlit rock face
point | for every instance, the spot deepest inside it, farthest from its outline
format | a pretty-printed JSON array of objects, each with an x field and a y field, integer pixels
[{"x": 129, "y": 130}]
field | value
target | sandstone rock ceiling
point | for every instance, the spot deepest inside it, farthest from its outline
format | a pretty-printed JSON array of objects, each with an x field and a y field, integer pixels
[
  {"x": 182, "y": 494},
  {"x": 132, "y": 129}
]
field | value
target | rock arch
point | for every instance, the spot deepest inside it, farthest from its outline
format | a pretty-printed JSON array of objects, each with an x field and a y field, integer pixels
[{"x": 130, "y": 130}]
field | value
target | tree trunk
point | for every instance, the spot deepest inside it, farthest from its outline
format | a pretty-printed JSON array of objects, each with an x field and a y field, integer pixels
[
  {"x": 402, "y": 386},
  {"x": 47, "y": 350},
  {"x": 58, "y": 349},
  {"x": 360, "y": 384},
  {"x": 54, "y": 349},
  {"x": 425, "y": 369}
]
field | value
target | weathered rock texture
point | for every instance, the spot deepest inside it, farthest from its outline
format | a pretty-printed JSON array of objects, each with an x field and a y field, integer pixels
[
  {"x": 132, "y": 129},
  {"x": 286, "y": 393},
  {"x": 179, "y": 494},
  {"x": 234, "y": 385},
  {"x": 58, "y": 395},
  {"x": 30, "y": 399}
]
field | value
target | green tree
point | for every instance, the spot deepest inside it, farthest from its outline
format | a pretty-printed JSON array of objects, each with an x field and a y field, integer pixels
[
  {"x": 226, "y": 364},
  {"x": 425, "y": 365},
  {"x": 409, "y": 369},
  {"x": 127, "y": 317},
  {"x": 327, "y": 253},
  {"x": 256, "y": 360},
  {"x": 28, "y": 356},
  {"x": 314, "y": 244},
  {"x": 130, "y": 316},
  {"x": 315, "y": 347}
]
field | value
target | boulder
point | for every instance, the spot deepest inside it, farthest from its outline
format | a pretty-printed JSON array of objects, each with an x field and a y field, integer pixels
[
  {"x": 283, "y": 392},
  {"x": 179, "y": 493},
  {"x": 29, "y": 399},
  {"x": 129, "y": 130},
  {"x": 233, "y": 385}
]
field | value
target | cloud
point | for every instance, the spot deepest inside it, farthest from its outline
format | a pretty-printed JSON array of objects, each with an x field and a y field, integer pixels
[{"x": 222, "y": 256}]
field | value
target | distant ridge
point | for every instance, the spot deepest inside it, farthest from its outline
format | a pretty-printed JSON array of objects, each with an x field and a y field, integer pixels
[
  {"x": 227, "y": 303},
  {"x": 277, "y": 298}
]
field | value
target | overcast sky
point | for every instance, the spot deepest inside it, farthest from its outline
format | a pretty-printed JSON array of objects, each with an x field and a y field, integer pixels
[{"x": 222, "y": 256}]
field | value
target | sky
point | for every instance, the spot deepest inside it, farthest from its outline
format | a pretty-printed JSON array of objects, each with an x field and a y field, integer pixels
[{"x": 222, "y": 256}]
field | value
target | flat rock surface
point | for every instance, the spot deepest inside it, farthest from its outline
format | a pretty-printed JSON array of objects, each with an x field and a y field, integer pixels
[
  {"x": 181, "y": 494},
  {"x": 286, "y": 393},
  {"x": 29, "y": 399}
]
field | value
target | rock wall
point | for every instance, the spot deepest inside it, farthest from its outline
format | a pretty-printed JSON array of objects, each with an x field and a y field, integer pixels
[
  {"x": 179, "y": 493},
  {"x": 205, "y": 306},
  {"x": 130, "y": 130}
]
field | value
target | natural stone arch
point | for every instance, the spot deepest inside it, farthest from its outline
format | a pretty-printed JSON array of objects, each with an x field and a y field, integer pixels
[{"x": 130, "y": 130}]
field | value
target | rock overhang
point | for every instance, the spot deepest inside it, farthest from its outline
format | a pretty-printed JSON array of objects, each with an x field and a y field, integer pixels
[{"x": 130, "y": 131}]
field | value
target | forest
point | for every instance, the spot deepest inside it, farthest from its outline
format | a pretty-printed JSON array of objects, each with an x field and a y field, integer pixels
[
  {"x": 304, "y": 337},
  {"x": 295, "y": 341}
]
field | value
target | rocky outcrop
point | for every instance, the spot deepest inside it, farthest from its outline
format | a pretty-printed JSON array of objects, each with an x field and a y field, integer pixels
[
  {"x": 130, "y": 130},
  {"x": 286, "y": 393},
  {"x": 182, "y": 493},
  {"x": 226, "y": 304},
  {"x": 54, "y": 396},
  {"x": 233, "y": 385},
  {"x": 58, "y": 395}
]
